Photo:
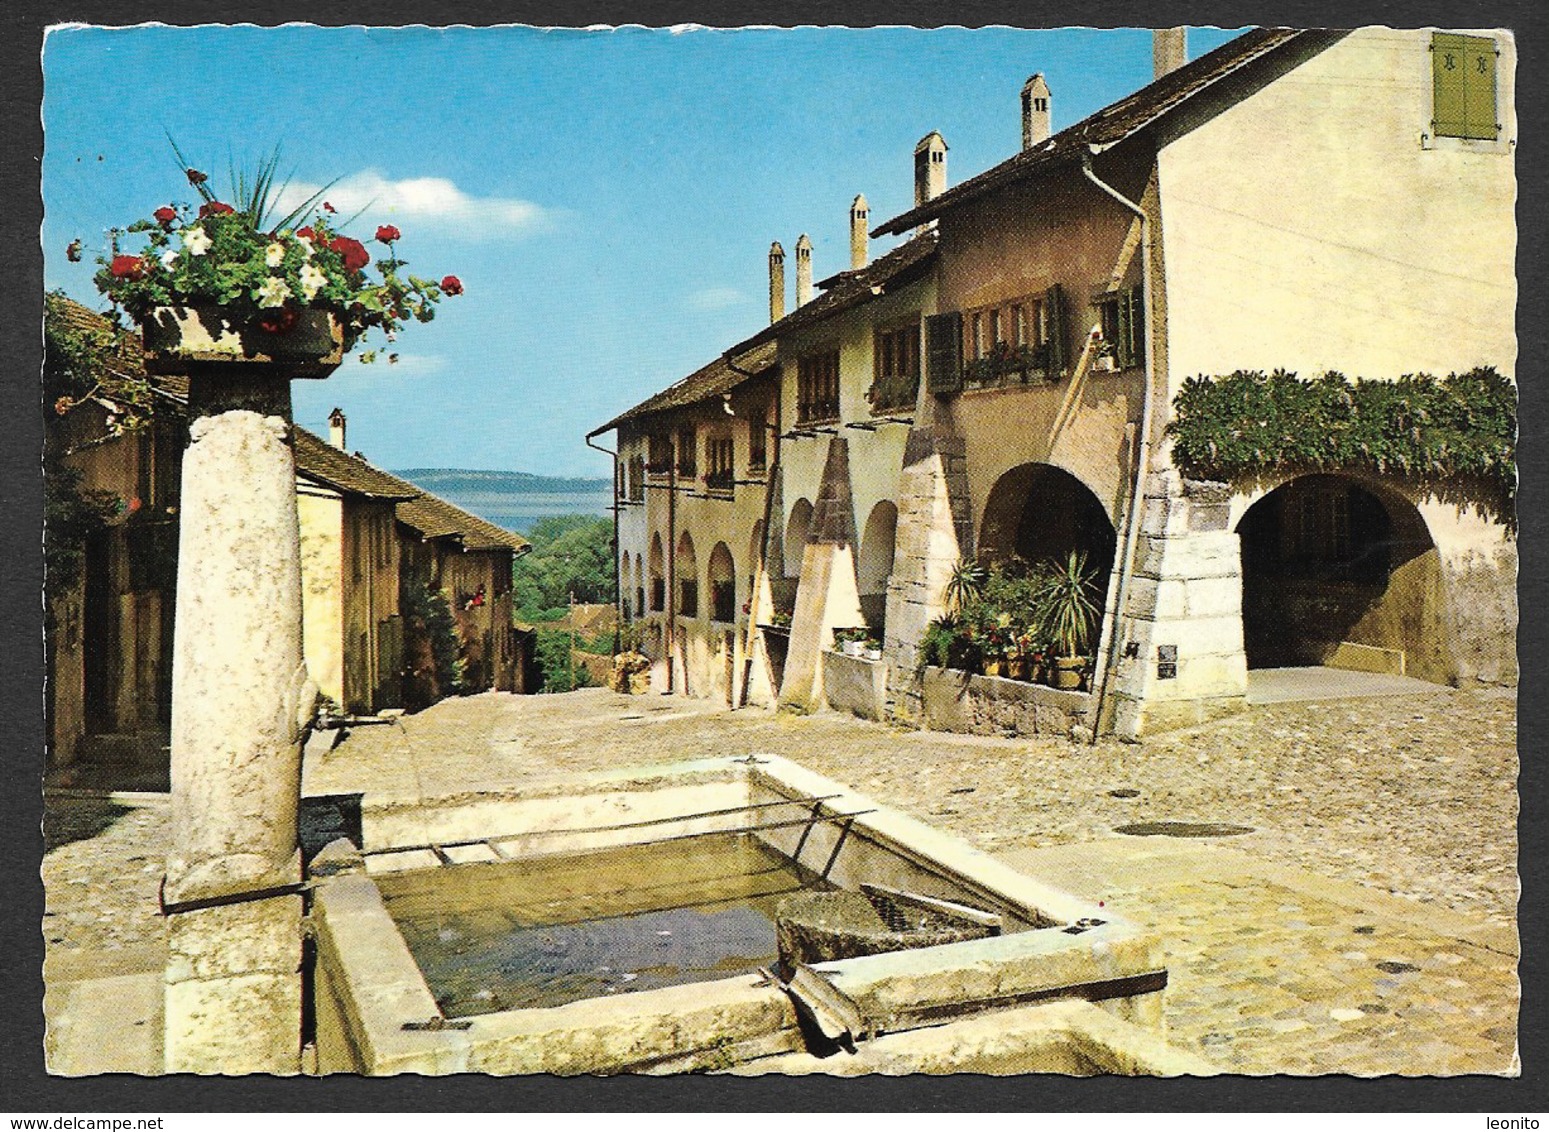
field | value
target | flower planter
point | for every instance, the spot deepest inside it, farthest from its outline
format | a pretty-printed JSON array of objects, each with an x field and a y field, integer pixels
[
  {"x": 1018, "y": 668},
  {"x": 851, "y": 648},
  {"x": 1068, "y": 672},
  {"x": 301, "y": 343},
  {"x": 873, "y": 654}
]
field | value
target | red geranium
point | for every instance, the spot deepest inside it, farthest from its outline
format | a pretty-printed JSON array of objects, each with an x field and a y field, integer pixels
[
  {"x": 165, "y": 215},
  {"x": 214, "y": 208},
  {"x": 387, "y": 233},
  {"x": 353, "y": 252},
  {"x": 451, "y": 285},
  {"x": 328, "y": 207},
  {"x": 127, "y": 267},
  {"x": 195, "y": 177},
  {"x": 306, "y": 233},
  {"x": 278, "y": 321}
]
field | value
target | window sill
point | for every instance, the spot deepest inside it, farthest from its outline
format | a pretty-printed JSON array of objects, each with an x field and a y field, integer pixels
[{"x": 1467, "y": 145}]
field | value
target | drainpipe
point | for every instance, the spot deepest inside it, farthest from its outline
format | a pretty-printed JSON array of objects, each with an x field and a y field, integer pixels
[
  {"x": 618, "y": 577},
  {"x": 1105, "y": 658}
]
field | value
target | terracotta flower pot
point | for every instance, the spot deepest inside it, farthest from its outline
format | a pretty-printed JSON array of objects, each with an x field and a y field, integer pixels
[
  {"x": 179, "y": 340},
  {"x": 1067, "y": 672},
  {"x": 992, "y": 667},
  {"x": 1019, "y": 668}
]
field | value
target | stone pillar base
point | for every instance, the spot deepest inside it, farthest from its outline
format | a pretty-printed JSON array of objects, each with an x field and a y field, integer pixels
[{"x": 233, "y": 989}]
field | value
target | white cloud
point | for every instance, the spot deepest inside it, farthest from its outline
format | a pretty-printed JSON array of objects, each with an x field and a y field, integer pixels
[
  {"x": 716, "y": 298},
  {"x": 424, "y": 201}
]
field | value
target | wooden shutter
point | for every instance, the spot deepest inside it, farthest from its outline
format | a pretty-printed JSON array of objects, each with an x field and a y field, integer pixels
[
  {"x": 1132, "y": 329},
  {"x": 1054, "y": 308},
  {"x": 1463, "y": 72},
  {"x": 944, "y": 353}
]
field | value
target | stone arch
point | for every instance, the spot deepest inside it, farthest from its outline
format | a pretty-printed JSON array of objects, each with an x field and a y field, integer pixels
[
  {"x": 796, "y": 528},
  {"x": 874, "y": 563},
  {"x": 1040, "y": 513},
  {"x": 686, "y": 566},
  {"x": 721, "y": 581},
  {"x": 1342, "y": 571},
  {"x": 658, "y": 575}
]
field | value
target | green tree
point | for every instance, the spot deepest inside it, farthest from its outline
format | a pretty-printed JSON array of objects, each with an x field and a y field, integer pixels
[{"x": 571, "y": 554}]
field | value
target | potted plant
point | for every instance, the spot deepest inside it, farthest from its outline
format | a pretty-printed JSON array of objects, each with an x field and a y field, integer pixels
[
  {"x": 1071, "y": 615},
  {"x": 228, "y": 281},
  {"x": 851, "y": 642},
  {"x": 964, "y": 585}
]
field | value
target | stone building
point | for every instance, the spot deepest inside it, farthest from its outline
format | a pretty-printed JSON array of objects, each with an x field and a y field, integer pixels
[
  {"x": 1294, "y": 200},
  {"x": 109, "y": 622}
]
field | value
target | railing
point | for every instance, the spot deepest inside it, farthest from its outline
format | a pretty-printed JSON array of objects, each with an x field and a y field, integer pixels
[
  {"x": 720, "y": 481},
  {"x": 1008, "y": 365},
  {"x": 895, "y": 394}
]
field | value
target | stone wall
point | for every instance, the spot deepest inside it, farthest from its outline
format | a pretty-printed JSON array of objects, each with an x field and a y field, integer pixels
[
  {"x": 992, "y": 705},
  {"x": 855, "y": 685}
]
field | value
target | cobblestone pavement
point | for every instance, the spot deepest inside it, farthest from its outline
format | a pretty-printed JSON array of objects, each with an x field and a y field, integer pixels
[{"x": 1395, "y": 815}]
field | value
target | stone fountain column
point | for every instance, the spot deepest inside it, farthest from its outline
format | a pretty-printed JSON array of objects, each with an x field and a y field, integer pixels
[{"x": 240, "y": 700}]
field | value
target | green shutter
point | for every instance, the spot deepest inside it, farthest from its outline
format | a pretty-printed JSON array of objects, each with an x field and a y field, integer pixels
[
  {"x": 1054, "y": 306},
  {"x": 1479, "y": 105},
  {"x": 1463, "y": 70},
  {"x": 944, "y": 353},
  {"x": 1125, "y": 336}
]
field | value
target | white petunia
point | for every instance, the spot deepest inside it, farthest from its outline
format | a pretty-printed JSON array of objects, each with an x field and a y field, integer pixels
[
  {"x": 313, "y": 280},
  {"x": 306, "y": 243},
  {"x": 273, "y": 293},
  {"x": 168, "y": 258},
  {"x": 274, "y": 254},
  {"x": 195, "y": 240}
]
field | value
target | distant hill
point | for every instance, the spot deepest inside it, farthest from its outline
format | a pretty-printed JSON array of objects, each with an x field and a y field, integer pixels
[{"x": 514, "y": 500}]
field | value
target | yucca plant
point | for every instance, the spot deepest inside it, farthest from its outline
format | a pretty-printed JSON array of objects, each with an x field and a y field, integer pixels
[
  {"x": 964, "y": 585},
  {"x": 1070, "y": 612}
]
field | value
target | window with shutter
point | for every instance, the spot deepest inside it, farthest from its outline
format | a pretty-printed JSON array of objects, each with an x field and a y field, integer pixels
[
  {"x": 944, "y": 353},
  {"x": 1054, "y": 315},
  {"x": 1463, "y": 69}
]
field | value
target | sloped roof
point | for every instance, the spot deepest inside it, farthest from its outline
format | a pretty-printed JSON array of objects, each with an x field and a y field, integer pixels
[
  {"x": 847, "y": 289},
  {"x": 1121, "y": 119},
  {"x": 430, "y": 515},
  {"x": 433, "y": 517},
  {"x": 127, "y": 355},
  {"x": 318, "y": 460},
  {"x": 708, "y": 381}
]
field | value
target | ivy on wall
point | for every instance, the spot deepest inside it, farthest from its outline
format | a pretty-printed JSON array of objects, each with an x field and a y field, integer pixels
[{"x": 1453, "y": 437}]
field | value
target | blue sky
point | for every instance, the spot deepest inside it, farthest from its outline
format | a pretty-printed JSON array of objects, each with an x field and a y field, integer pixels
[{"x": 607, "y": 197}]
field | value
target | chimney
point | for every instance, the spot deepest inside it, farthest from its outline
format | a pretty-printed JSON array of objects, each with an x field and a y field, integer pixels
[
  {"x": 803, "y": 270},
  {"x": 336, "y": 429},
  {"x": 1169, "y": 50},
  {"x": 776, "y": 282},
  {"x": 930, "y": 168},
  {"x": 860, "y": 254},
  {"x": 1035, "y": 112}
]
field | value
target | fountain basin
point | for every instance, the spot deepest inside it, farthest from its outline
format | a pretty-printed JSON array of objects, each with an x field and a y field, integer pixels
[{"x": 377, "y": 1013}]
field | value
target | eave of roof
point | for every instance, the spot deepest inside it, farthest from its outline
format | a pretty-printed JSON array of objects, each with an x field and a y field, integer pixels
[
  {"x": 435, "y": 518},
  {"x": 849, "y": 289},
  {"x": 318, "y": 460},
  {"x": 1112, "y": 124},
  {"x": 720, "y": 376}
]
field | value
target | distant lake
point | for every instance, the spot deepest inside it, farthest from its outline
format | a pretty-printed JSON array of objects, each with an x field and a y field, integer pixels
[{"x": 514, "y": 500}]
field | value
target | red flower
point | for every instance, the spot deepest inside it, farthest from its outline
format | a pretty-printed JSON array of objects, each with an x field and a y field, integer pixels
[
  {"x": 214, "y": 208},
  {"x": 63, "y": 405},
  {"x": 127, "y": 267},
  {"x": 452, "y": 285},
  {"x": 165, "y": 215},
  {"x": 277, "y": 321},
  {"x": 306, "y": 233},
  {"x": 73, "y": 252},
  {"x": 328, "y": 207},
  {"x": 353, "y": 252},
  {"x": 195, "y": 177},
  {"x": 387, "y": 233},
  {"x": 135, "y": 504}
]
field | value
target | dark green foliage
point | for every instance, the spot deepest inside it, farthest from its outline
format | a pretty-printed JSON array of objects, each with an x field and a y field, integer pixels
[
  {"x": 1455, "y": 437},
  {"x": 80, "y": 363},
  {"x": 571, "y": 554},
  {"x": 428, "y": 615},
  {"x": 554, "y": 663}
]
